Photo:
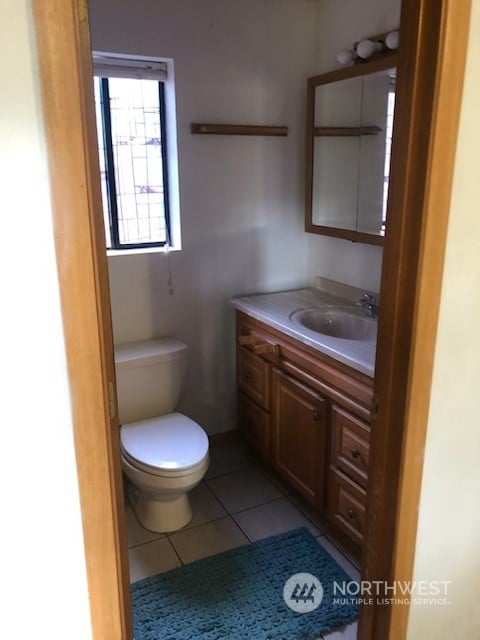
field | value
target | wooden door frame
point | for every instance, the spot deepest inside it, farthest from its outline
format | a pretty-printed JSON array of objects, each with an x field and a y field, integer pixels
[
  {"x": 64, "y": 51},
  {"x": 434, "y": 39},
  {"x": 434, "y": 36}
]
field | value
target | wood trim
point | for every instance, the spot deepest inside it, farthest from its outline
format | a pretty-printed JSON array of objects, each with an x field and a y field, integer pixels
[
  {"x": 238, "y": 129},
  {"x": 434, "y": 37},
  {"x": 345, "y": 234},
  {"x": 346, "y": 131},
  {"x": 62, "y": 32}
]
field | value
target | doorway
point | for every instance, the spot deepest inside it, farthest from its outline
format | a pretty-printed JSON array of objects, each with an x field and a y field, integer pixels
[{"x": 423, "y": 156}]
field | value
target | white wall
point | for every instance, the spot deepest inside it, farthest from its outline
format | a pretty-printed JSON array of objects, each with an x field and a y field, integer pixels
[
  {"x": 42, "y": 563},
  {"x": 340, "y": 24},
  {"x": 449, "y": 518},
  {"x": 241, "y": 197}
]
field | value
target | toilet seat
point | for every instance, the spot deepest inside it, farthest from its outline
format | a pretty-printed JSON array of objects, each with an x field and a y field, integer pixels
[{"x": 171, "y": 445}]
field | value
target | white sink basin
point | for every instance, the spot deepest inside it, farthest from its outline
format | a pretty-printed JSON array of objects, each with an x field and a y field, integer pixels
[{"x": 336, "y": 323}]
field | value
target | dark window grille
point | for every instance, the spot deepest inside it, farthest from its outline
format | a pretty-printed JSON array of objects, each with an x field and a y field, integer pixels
[{"x": 133, "y": 162}]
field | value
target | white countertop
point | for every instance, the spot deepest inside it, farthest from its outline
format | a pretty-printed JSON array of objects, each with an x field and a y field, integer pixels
[{"x": 275, "y": 309}]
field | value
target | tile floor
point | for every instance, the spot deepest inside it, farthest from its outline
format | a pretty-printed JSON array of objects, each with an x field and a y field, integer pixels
[{"x": 236, "y": 503}]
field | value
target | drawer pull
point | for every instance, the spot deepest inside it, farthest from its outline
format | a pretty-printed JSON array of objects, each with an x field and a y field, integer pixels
[
  {"x": 261, "y": 349},
  {"x": 248, "y": 377},
  {"x": 316, "y": 415},
  {"x": 356, "y": 454},
  {"x": 256, "y": 346}
]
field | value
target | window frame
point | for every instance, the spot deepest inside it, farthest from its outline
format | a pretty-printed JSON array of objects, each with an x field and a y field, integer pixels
[{"x": 111, "y": 185}]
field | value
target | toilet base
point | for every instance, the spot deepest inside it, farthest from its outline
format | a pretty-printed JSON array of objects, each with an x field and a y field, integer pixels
[{"x": 170, "y": 513}]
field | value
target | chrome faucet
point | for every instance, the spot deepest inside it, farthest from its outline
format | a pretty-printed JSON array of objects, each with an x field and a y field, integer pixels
[{"x": 369, "y": 304}]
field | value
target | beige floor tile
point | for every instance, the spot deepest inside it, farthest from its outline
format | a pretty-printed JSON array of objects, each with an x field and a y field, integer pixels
[
  {"x": 348, "y": 633},
  {"x": 151, "y": 558},
  {"x": 346, "y": 565},
  {"x": 244, "y": 489},
  {"x": 136, "y": 534},
  {"x": 205, "y": 506},
  {"x": 271, "y": 519},
  {"x": 226, "y": 458},
  {"x": 208, "y": 539}
]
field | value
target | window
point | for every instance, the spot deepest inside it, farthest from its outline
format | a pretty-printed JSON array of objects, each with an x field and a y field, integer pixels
[{"x": 132, "y": 138}]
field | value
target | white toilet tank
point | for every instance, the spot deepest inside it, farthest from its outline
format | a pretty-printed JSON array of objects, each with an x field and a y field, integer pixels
[{"x": 150, "y": 375}]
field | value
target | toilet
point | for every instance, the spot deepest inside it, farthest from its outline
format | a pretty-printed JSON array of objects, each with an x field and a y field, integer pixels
[{"x": 164, "y": 453}]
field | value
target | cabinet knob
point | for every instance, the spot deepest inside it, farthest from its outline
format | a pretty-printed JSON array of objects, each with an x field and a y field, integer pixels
[
  {"x": 316, "y": 415},
  {"x": 355, "y": 454},
  {"x": 352, "y": 515}
]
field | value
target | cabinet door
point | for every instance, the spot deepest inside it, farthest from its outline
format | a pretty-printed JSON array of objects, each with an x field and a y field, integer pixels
[{"x": 300, "y": 428}]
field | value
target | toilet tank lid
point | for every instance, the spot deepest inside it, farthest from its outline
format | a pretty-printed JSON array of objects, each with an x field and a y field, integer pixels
[{"x": 135, "y": 354}]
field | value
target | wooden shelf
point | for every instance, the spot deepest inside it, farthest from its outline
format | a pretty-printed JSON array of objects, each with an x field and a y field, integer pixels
[
  {"x": 346, "y": 131},
  {"x": 238, "y": 129}
]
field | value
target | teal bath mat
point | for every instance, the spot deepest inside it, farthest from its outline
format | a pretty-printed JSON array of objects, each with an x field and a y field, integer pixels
[{"x": 241, "y": 595}]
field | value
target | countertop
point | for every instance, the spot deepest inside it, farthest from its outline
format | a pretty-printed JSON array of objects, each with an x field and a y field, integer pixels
[{"x": 275, "y": 309}]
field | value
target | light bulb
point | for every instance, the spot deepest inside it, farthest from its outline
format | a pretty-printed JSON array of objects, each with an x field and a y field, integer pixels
[
  {"x": 367, "y": 48},
  {"x": 345, "y": 56},
  {"x": 391, "y": 40}
]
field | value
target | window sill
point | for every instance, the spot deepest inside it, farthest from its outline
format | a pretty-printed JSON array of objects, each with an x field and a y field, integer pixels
[{"x": 132, "y": 252}]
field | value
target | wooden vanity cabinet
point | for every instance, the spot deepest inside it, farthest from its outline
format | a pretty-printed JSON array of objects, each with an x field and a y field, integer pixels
[{"x": 307, "y": 417}]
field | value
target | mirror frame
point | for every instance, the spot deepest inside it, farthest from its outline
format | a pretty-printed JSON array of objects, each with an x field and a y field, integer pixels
[{"x": 385, "y": 61}]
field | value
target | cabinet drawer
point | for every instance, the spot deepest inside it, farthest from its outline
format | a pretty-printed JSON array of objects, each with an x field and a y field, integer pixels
[
  {"x": 346, "y": 505},
  {"x": 254, "y": 425},
  {"x": 350, "y": 445},
  {"x": 253, "y": 375}
]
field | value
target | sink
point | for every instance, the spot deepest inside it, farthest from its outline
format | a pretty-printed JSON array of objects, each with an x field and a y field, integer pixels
[{"x": 336, "y": 323}]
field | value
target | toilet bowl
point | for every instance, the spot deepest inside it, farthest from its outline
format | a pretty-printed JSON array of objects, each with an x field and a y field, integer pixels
[{"x": 164, "y": 454}]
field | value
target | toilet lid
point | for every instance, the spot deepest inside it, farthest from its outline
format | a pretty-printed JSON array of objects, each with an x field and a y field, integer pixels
[{"x": 171, "y": 443}]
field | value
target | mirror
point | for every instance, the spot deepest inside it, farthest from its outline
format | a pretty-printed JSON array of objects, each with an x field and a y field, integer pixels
[{"x": 349, "y": 132}]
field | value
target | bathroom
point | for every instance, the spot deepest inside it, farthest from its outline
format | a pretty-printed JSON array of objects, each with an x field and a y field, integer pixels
[
  {"x": 242, "y": 227},
  {"x": 68, "y": 535},
  {"x": 241, "y": 198}
]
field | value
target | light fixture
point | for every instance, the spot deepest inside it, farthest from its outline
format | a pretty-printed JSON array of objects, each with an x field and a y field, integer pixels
[
  {"x": 366, "y": 48},
  {"x": 345, "y": 56},
  {"x": 391, "y": 40},
  {"x": 383, "y": 43}
]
